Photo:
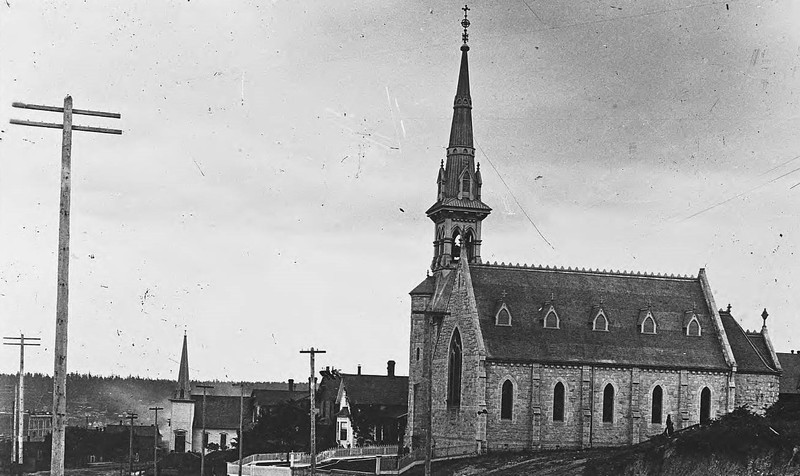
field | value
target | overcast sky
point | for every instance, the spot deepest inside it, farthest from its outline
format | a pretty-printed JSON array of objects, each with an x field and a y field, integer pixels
[{"x": 269, "y": 190}]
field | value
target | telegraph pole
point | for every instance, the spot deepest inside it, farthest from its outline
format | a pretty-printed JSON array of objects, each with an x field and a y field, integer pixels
[
  {"x": 62, "y": 298},
  {"x": 241, "y": 418},
  {"x": 131, "y": 417},
  {"x": 312, "y": 408},
  {"x": 20, "y": 417},
  {"x": 155, "y": 441},
  {"x": 203, "y": 437}
]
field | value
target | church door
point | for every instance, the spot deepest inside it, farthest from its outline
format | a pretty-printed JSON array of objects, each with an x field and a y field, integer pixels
[
  {"x": 180, "y": 442},
  {"x": 705, "y": 405}
]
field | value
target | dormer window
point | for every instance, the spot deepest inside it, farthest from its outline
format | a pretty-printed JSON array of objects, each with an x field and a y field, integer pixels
[
  {"x": 693, "y": 327},
  {"x": 503, "y": 317},
  {"x": 551, "y": 320},
  {"x": 648, "y": 325},
  {"x": 600, "y": 322},
  {"x": 466, "y": 184}
]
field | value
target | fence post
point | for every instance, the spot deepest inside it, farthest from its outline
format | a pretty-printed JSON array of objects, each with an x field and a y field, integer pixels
[{"x": 378, "y": 464}]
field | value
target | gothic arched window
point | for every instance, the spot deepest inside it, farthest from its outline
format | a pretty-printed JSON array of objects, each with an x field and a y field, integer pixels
[
  {"x": 454, "y": 372},
  {"x": 551, "y": 319},
  {"x": 468, "y": 241},
  {"x": 600, "y": 322},
  {"x": 608, "y": 403},
  {"x": 507, "y": 401},
  {"x": 503, "y": 317},
  {"x": 657, "y": 404},
  {"x": 455, "y": 254},
  {"x": 693, "y": 328},
  {"x": 466, "y": 184},
  {"x": 649, "y": 324},
  {"x": 558, "y": 402}
]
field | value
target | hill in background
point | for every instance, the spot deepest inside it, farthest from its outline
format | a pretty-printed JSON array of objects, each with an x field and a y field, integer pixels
[{"x": 98, "y": 401}]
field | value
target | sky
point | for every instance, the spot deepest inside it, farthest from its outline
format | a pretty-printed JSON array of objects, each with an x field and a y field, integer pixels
[{"x": 269, "y": 189}]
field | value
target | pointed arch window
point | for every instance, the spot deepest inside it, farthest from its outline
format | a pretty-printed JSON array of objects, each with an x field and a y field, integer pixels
[
  {"x": 507, "y": 401},
  {"x": 466, "y": 184},
  {"x": 705, "y": 405},
  {"x": 648, "y": 324},
  {"x": 456, "y": 248},
  {"x": 503, "y": 317},
  {"x": 468, "y": 241},
  {"x": 558, "y": 402},
  {"x": 657, "y": 403},
  {"x": 600, "y": 322},
  {"x": 693, "y": 328},
  {"x": 454, "y": 372},
  {"x": 551, "y": 320},
  {"x": 608, "y": 404}
]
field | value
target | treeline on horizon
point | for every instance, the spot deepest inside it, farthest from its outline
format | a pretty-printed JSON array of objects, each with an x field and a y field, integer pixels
[{"x": 101, "y": 400}]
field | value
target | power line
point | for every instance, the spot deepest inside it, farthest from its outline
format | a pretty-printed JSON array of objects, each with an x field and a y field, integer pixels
[
  {"x": 738, "y": 195},
  {"x": 514, "y": 197}
]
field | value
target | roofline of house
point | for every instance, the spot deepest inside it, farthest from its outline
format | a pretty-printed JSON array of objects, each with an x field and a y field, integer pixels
[{"x": 727, "y": 351}]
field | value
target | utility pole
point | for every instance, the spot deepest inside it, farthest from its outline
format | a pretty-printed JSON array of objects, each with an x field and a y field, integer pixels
[
  {"x": 155, "y": 441},
  {"x": 241, "y": 426},
  {"x": 62, "y": 298},
  {"x": 203, "y": 436},
  {"x": 130, "y": 416},
  {"x": 312, "y": 408},
  {"x": 20, "y": 418}
]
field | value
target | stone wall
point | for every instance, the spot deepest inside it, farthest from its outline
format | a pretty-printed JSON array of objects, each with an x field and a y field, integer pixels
[{"x": 757, "y": 391}]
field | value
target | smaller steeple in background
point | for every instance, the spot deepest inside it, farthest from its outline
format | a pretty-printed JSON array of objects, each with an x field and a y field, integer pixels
[{"x": 184, "y": 390}]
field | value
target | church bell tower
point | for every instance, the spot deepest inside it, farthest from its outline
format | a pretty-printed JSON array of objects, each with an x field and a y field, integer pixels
[{"x": 459, "y": 211}]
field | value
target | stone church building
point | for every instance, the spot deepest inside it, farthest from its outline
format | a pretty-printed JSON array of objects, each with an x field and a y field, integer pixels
[{"x": 525, "y": 357}]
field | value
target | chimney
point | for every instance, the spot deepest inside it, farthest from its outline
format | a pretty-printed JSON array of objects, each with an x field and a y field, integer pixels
[
  {"x": 359, "y": 369},
  {"x": 291, "y": 385},
  {"x": 390, "y": 368}
]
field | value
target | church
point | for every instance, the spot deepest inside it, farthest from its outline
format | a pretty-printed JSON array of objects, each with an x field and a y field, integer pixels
[{"x": 525, "y": 357}]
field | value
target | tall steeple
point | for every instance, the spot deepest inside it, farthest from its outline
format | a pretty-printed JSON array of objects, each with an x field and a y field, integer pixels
[
  {"x": 459, "y": 211},
  {"x": 183, "y": 391}
]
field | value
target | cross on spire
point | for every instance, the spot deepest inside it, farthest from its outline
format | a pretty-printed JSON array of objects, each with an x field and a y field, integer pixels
[{"x": 465, "y": 24}]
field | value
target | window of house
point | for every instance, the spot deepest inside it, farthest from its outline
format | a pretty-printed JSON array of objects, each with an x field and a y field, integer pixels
[
  {"x": 649, "y": 324},
  {"x": 223, "y": 440},
  {"x": 693, "y": 328},
  {"x": 705, "y": 405},
  {"x": 600, "y": 322},
  {"x": 558, "y": 402},
  {"x": 551, "y": 319},
  {"x": 503, "y": 317},
  {"x": 205, "y": 440},
  {"x": 342, "y": 431},
  {"x": 454, "y": 372},
  {"x": 507, "y": 400},
  {"x": 608, "y": 403},
  {"x": 657, "y": 404},
  {"x": 418, "y": 354}
]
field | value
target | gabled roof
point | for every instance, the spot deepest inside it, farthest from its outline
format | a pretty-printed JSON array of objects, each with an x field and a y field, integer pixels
[
  {"x": 222, "y": 412},
  {"x": 749, "y": 349},
  {"x": 266, "y": 398},
  {"x": 574, "y": 293},
  {"x": 790, "y": 378},
  {"x": 376, "y": 389}
]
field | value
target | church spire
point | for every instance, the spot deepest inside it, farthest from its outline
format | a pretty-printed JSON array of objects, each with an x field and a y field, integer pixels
[
  {"x": 461, "y": 128},
  {"x": 184, "y": 388},
  {"x": 458, "y": 210}
]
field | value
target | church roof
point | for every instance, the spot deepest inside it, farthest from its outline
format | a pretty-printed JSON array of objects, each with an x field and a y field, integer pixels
[
  {"x": 460, "y": 203},
  {"x": 790, "y": 378},
  {"x": 267, "y": 397},
  {"x": 576, "y": 295},
  {"x": 749, "y": 348},
  {"x": 376, "y": 389},
  {"x": 427, "y": 286},
  {"x": 222, "y": 412}
]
